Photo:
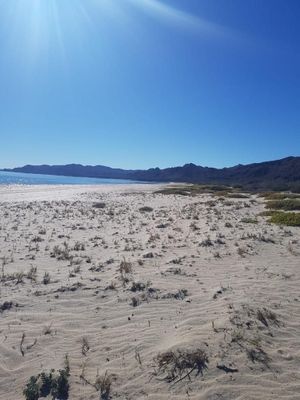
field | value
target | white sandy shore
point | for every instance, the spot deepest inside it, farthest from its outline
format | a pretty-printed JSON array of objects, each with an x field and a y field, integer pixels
[
  {"x": 208, "y": 279},
  {"x": 65, "y": 192}
]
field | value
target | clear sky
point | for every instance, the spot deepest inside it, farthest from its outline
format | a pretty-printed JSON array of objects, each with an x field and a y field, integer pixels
[{"x": 146, "y": 83}]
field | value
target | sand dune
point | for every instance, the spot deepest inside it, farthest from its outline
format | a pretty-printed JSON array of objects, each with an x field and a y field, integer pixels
[{"x": 124, "y": 281}]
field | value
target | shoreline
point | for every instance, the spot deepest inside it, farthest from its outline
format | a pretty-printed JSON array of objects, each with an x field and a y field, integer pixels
[{"x": 20, "y": 192}]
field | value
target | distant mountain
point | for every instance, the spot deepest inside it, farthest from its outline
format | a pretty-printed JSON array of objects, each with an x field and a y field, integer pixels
[{"x": 281, "y": 174}]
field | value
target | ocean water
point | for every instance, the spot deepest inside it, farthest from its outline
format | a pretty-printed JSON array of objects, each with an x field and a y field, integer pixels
[{"x": 13, "y": 178}]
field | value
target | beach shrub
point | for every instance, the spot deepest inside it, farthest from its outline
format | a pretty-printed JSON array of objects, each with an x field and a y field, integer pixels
[
  {"x": 53, "y": 383},
  {"x": 99, "y": 205},
  {"x": 179, "y": 364},
  {"x": 279, "y": 196},
  {"x": 283, "y": 218},
  {"x": 286, "y": 205},
  {"x": 31, "y": 391},
  {"x": 146, "y": 209},
  {"x": 249, "y": 220}
]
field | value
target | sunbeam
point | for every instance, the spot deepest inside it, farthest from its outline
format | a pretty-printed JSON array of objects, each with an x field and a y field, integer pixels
[{"x": 182, "y": 19}]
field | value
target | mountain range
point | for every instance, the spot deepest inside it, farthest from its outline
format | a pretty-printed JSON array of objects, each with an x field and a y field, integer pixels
[{"x": 281, "y": 174}]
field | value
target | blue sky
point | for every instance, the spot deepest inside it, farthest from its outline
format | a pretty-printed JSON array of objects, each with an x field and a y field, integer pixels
[{"x": 145, "y": 83}]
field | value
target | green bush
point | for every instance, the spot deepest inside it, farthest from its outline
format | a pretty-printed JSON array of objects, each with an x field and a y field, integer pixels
[
  {"x": 60, "y": 386},
  {"x": 282, "y": 218},
  {"x": 279, "y": 196},
  {"x": 32, "y": 392},
  {"x": 286, "y": 205},
  {"x": 53, "y": 383}
]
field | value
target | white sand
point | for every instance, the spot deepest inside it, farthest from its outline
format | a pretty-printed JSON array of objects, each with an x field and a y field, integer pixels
[{"x": 199, "y": 293}]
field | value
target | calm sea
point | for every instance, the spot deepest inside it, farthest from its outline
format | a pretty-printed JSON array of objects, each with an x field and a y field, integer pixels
[{"x": 9, "y": 178}]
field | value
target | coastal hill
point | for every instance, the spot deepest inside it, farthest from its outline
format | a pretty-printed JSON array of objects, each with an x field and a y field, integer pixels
[{"x": 281, "y": 174}]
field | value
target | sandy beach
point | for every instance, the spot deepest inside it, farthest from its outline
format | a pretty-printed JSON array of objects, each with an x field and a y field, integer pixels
[{"x": 162, "y": 296}]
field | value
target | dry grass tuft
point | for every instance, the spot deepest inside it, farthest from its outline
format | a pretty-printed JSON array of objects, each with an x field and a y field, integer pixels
[{"x": 179, "y": 364}]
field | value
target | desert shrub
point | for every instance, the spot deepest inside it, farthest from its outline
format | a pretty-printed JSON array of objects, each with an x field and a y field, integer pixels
[
  {"x": 179, "y": 364},
  {"x": 60, "y": 386},
  {"x": 32, "y": 273},
  {"x": 193, "y": 190},
  {"x": 46, "y": 278},
  {"x": 53, "y": 383},
  {"x": 175, "y": 191},
  {"x": 103, "y": 385},
  {"x": 135, "y": 301},
  {"x": 279, "y": 196},
  {"x": 283, "y": 218},
  {"x": 78, "y": 246},
  {"x": 237, "y": 196},
  {"x": 7, "y": 305},
  {"x": 99, "y": 205},
  {"x": 125, "y": 270},
  {"x": 61, "y": 253},
  {"x": 268, "y": 213},
  {"x": 249, "y": 220},
  {"x": 146, "y": 209},
  {"x": 267, "y": 317},
  {"x": 138, "y": 286},
  {"x": 286, "y": 205},
  {"x": 37, "y": 239},
  {"x": 46, "y": 383},
  {"x": 258, "y": 355},
  {"x": 31, "y": 391}
]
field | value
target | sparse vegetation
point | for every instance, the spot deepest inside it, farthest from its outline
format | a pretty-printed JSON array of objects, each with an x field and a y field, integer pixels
[
  {"x": 179, "y": 364},
  {"x": 283, "y": 218},
  {"x": 103, "y": 385},
  {"x": 125, "y": 270},
  {"x": 249, "y": 220},
  {"x": 46, "y": 278},
  {"x": 99, "y": 205},
  {"x": 145, "y": 209},
  {"x": 286, "y": 205},
  {"x": 53, "y": 383},
  {"x": 289, "y": 219},
  {"x": 279, "y": 196}
]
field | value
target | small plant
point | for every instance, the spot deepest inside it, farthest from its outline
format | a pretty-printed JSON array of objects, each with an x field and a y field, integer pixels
[
  {"x": 53, "y": 383},
  {"x": 85, "y": 346},
  {"x": 32, "y": 274},
  {"x": 286, "y": 205},
  {"x": 99, "y": 205},
  {"x": 61, "y": 253},
  {"x": 31, "y": 391},
  {"x": 103, "y": 385},
  {"x": 48, "y": 329},
  {"x": 137, "y": 286},
  {"x": 60, "y": 386},
  {"x": 79, "y": 246},
  {"x": 179, "y": 364},
  {"x": 125, "y": 270},
  {"x": 258, "y": 355},
  {"x": 249, "y": 220},
  {"x": 46, "y": 278},
  {"x": 46, "y": 383},
  {"x": 37, "y": 239},
  {"x": 19, "y": 276},
  {"x": 267, "y": 317},
  {"x": 145, "y": 209},
  {"x": 241, "y": 252},
  {"x": 282, "y": 218},
  {"x": 135, "y": 301},
  {"x": 7, "y": 305},
  {"x": 206, "y": 242},
  {"x": 280, "y": 196}
]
